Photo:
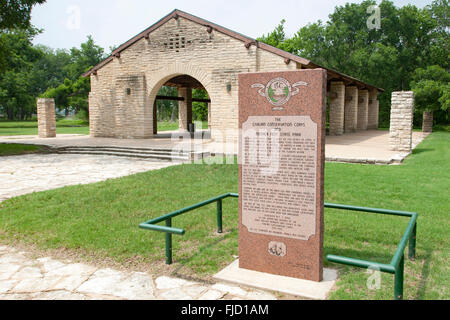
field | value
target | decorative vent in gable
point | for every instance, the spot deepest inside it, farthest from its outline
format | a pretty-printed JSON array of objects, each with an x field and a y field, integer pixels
[{"x": 176, "y": 42}]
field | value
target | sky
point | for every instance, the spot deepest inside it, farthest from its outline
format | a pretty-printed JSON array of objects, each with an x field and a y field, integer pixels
[{"x": 67, "y": 23}]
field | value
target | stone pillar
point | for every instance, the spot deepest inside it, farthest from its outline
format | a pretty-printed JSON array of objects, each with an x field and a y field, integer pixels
[
  {"x": 185, "y": 108},
  {"x": 155, "y": 118},
  {"x": 402, "y": 113},
  {"x": 337, "y": 102},
  {"x": 46, "y": 118},
  {"x": 373, "y": 113},
  {"x": 427, "y": 123},
  {"x": 209, "y": 115},
  {"x": 351, "y": 109},
  {"x": 363, "y": 107}
]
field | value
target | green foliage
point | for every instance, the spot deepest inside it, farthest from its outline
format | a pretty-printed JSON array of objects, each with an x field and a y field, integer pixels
[
  {"x": 16, "y": 13},
  {"x": 167, "y": 110},
  {"x": 440, "y": 46},
  {"x": 50, "y": 69},
  {"x": 72, "y": 94},
  {"x": 409, "y": 38},
  {"x": 199, "y": 109},
  {"x": 431, "y": 90},
  {"x": 13, "y": 149},
  {"x": 16, "y": 78},
  {"x": 31, "y": 71},
  {"x": 430, "y": 87},
  {"x": 85, "y": 58},
  {"x": 277, "y": 38}
]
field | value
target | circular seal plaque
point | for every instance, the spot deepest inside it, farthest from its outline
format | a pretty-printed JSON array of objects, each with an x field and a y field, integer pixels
[{"x": 278, "y": 91}]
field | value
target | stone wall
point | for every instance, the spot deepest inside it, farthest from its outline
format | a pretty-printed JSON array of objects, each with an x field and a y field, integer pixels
[
  {"x": 351, "y": 109},
  {"x": 427, "y": 123},
  {"x": 46, "y": 118},
  {"x": 402, "y": 113},
  {"x": 337, "y": 103},
  {"x": 363, "y": 108},
  {"x": 175, "y": 48},
  {"x": 185, "y": 109},
  {"x": 129, "y": 115},
  {"x": 373, "y": 112}
]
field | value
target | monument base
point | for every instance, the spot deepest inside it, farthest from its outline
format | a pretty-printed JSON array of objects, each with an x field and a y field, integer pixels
[{"x": 265, "y": 281}]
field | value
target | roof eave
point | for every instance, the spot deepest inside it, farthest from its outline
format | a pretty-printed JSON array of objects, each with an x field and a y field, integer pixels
[{"x": 247, "y": 40}]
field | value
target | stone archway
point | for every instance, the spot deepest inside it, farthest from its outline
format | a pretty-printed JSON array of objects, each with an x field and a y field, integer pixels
[{"x": 163, "y": 75}]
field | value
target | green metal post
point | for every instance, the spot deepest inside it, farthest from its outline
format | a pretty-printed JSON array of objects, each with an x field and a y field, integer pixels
[
  {"x": 219, "y": 216},
  {"x": 412, "y": 244},
  {"x": 168, "y": 243},
  {"x": 398, "y": 282}
]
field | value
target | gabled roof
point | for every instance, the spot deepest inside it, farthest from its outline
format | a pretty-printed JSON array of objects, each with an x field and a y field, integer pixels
[{"x": 247, "y": 41}]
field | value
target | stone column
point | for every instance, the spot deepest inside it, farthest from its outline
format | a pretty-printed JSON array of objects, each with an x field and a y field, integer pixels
[
  {"x": 185, "y": 108},
  {"x": 374, "y": 107},
  {"x": 363, "y": 106},
  {"x": 209, "y": 115},
  {"x": 427, "y": 123},
  {"x": 337, "y": 102},
  {"x": 402, "y": 113},
  {"x": 351, "y": 109},
  {"x": 155, "y": 118},
  {"x": 46, "y": 118}
]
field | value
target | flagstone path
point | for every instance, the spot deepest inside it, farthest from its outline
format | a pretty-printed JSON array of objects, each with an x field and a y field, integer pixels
[{"x": 23, "y": 277}]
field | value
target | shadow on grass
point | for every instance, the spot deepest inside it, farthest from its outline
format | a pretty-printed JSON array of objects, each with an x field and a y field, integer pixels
[
  {"x": 368, "y": 255},
  {"x": 422, "y": 150},
  {"x": 424, "y": 275},
  {"x": 184, "y": 262}
]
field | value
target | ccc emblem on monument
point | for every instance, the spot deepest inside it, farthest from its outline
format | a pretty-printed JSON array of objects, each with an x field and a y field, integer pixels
[
  {"x": 278, "y": 91},
  {"x": 277, "y": 249}
]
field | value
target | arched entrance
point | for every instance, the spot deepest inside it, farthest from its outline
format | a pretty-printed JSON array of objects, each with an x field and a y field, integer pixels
[{"x": 180, "y": 101}]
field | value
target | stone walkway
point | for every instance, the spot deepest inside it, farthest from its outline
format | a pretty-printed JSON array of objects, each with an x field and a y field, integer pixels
[
  {"x": 371, "y": 146},
  {"x": 25, "y": 174},
  {"x": 25, "y": 278}
]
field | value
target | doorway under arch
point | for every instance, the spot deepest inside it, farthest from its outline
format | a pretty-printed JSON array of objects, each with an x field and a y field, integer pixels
[{"x": 181, "y": 99}]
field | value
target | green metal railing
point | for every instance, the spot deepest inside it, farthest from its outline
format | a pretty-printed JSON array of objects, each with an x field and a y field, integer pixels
[
  {"x": 396, "y": 266},
  {"x": 151, "y": 225}
]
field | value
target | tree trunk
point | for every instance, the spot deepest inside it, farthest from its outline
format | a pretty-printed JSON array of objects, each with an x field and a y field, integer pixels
[
  {"x": 172, "y": 117},
  {"x": 10, "y": 113},
  {"x": 427, "y": 123}
]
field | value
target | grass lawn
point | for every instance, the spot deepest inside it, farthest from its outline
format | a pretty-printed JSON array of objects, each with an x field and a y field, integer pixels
[
  {"x": 17, "y": 128},
  {"x": 100, "y": 221},
  {"x": 172, "y": 126},
  {"x": 18, "y": 149}
]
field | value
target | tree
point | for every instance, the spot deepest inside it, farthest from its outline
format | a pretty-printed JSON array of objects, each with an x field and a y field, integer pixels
[
  {"x": 409, "y": 38},
  {"x": 440, "y": 48},
  {"x": 16, "y": 85},
  {"x": 277, "y": 37},
  {"x": 167, "y": 110},
  {"x": 16, "y": 14},
  {"x": 200, "y": 109},
  {"x": 87, "y": 56},
  {"x": 51, "y": 69},
  {"x": 431, "y": 86},
  {"x": 71, "y": 94}
]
